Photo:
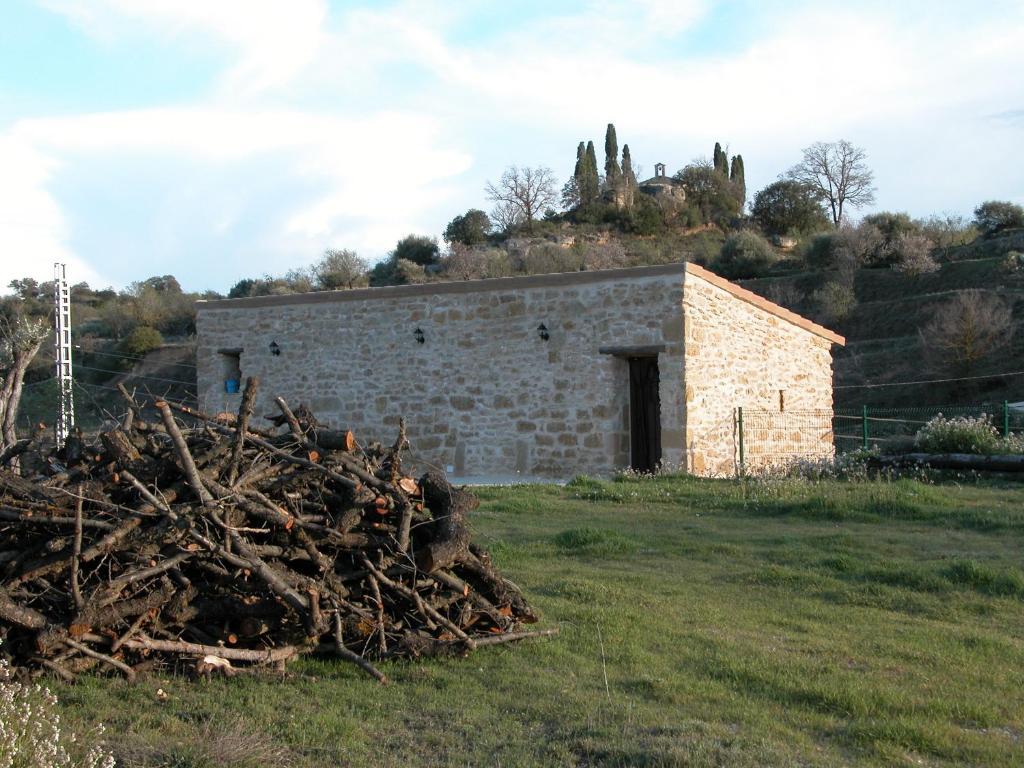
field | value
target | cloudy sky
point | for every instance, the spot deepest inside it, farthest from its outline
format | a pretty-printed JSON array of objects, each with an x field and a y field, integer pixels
[{"x": 221, "y": 139}]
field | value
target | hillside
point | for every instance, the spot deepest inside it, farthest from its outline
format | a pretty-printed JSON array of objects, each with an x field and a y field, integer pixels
[
  {"x": 168, "y": 372},
  {"x": 883, "y": 330},
  {"x": 889, "y": 310}
]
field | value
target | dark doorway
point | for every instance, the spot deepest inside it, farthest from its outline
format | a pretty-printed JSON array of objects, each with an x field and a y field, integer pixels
[{"x": 644, "y": 414}]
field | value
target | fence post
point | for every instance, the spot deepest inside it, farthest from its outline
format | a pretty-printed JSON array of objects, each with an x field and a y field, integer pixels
[
  {"x": 1006, "y": 418},
  {"x": 864, "y": 428},
  {"x": 739, "y": 428}
]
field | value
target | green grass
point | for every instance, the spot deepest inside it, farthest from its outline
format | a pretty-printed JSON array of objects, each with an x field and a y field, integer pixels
[{"x": 702, "y": 623}]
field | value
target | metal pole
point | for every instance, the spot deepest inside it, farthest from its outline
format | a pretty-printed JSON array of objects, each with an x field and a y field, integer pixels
[
  {"x": 65, "y": 381},
  {"x": 1006, "y": 418},
  {"x": 739, "y": 426},
  {"x": 864, "y": 428}
]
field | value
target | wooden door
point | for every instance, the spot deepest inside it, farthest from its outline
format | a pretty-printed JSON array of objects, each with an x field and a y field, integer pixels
[{"x": 644, "y": 414}]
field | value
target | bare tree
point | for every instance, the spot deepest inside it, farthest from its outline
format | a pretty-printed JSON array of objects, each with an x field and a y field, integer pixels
[
  {"x": 463, "y": 263},
  {"x": 526, "y": 190},
  {"x": 20, "y": 340},
  {"x": 968, "y": 329},
  {"x": 340, "y": 269},
  {"x": 506, "y": 216},
  {"x": 839, "y": 171}
]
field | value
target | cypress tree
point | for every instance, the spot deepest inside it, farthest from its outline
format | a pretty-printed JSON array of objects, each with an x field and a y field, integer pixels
[
  {"x": 628, "y": 176},
  {"x": 590, "y": 188},
  {"x": 612, "y": 172},
  {"x": 579, "y": 172},
  {"x": 738, "y": 179},
  {"x": 721, "y": 161}
]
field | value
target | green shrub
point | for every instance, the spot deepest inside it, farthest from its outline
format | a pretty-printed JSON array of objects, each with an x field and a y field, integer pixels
[
  {"x": 788, "y": 207},
  {"x": 141, "y": 340},
  {"x": 469, "y": 228},
  {"x": 993, "y": 216},
  {"x": 418, "y": 249},
  {"x": 644, "y": 217},
  {"x": 817, "y": 251},
  {"x": 964, "y": 434},
  {"x": 745, "y": 254},
  {"x": 835, "y": 300}
]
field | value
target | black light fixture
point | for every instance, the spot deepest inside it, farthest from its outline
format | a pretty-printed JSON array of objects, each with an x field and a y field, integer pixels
[
  {"x": 542, "y": 331},
  {"x": 418, "y": 335},
  {"x": 274, "y": 349}
]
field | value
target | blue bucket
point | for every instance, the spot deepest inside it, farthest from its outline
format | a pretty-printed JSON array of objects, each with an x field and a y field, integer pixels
[{"x": 231, "y": 386}]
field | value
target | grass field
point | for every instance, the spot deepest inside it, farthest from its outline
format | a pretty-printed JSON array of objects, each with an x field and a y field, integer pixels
[{"x": 779, "y": 623}]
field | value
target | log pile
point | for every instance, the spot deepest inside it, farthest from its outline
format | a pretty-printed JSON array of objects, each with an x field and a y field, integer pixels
[{"x": 203, "y": 541}]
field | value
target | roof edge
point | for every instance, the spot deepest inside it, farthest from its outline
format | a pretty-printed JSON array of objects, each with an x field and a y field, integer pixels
[
  {"x": 762, "y": 303},
  {"x": 555, "y": 279}
]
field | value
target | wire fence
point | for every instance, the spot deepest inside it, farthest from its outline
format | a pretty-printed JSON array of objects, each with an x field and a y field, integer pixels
[
  {"x": 775, "y": 437},
  {"x": 97, "y": 406}
]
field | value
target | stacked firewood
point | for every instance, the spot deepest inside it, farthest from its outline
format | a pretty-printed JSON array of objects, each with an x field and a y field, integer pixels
[{"x": 201, "y": 540}]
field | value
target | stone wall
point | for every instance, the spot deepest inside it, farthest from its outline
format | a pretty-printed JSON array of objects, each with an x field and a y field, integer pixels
[
  {"x": 741, "y": 351},
  {"x": 484, "y": 395}
]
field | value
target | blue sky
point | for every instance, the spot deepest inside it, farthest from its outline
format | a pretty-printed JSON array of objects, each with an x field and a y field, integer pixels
[{"x": 222, "y": 139}]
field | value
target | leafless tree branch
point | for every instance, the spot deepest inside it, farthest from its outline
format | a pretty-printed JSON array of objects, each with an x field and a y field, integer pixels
[{"x": 839, "y": 172}]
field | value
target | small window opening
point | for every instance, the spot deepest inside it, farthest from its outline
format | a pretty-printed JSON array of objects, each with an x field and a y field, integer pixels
[
  {"x": 782, "y": 400},
  {"x": 231, "y": 368}
]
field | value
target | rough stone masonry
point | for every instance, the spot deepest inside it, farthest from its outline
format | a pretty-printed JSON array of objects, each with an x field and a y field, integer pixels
[{"x": 535, "y": 376}]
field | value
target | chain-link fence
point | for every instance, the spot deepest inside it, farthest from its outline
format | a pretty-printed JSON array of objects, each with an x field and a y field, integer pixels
[{"x": 778, "y": 437}]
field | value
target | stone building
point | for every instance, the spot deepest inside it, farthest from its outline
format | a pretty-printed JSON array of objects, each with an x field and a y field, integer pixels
[
  {"x": 662, "y": 187},
  {"x": 540, "y": 376}
]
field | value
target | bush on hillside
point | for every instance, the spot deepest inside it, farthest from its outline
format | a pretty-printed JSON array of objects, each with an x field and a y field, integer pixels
[
  {"x": 914, "y": 255},
  {"x": 817, "y": 252},
  {"x": 881, "y": 234},
  {"x": 141, "y": 340},
  {"x": 947, "y": 232},
  {"x": 465, "y": 263},
  {"x": 965, "y": 331},
  {"x": 645, "y": 217},
  {"x": 338, "y": 269},
  {"x": 418, "y": 249},
  {"x": 788, "y": 207},
  {"x": 610, "y": 255},
  {"x": 242, "y": 289},
  {"x": 745, "y": 254},
  {"x": 835, "y": 301},
  {"x": 710, "y": 193},
  {"x": 847, "y": 249},
  {"x": 892, "y": 224},
  {"x": 469, "y": 228},
  {"x": 964, "y": 434},
  {"x": 994, "y": 216},
  {"x": 1013, "y": 262},
  {"x": 547, "y": 258}
]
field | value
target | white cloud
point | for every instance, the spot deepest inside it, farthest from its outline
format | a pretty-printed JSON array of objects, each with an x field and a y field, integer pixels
[
  {"x": 273, "y": 40},
  {"x": 33, "y": 232},
  {"x": 359, "y": 176},
  {"x": 372, "y": 178}
]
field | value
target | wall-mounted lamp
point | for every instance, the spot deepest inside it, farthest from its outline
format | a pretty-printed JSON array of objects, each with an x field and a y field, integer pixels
[
  {"x": 418, "y": 335},
  {"x": 542, "y": 331},
  {"x": 274, "y": 349}
]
